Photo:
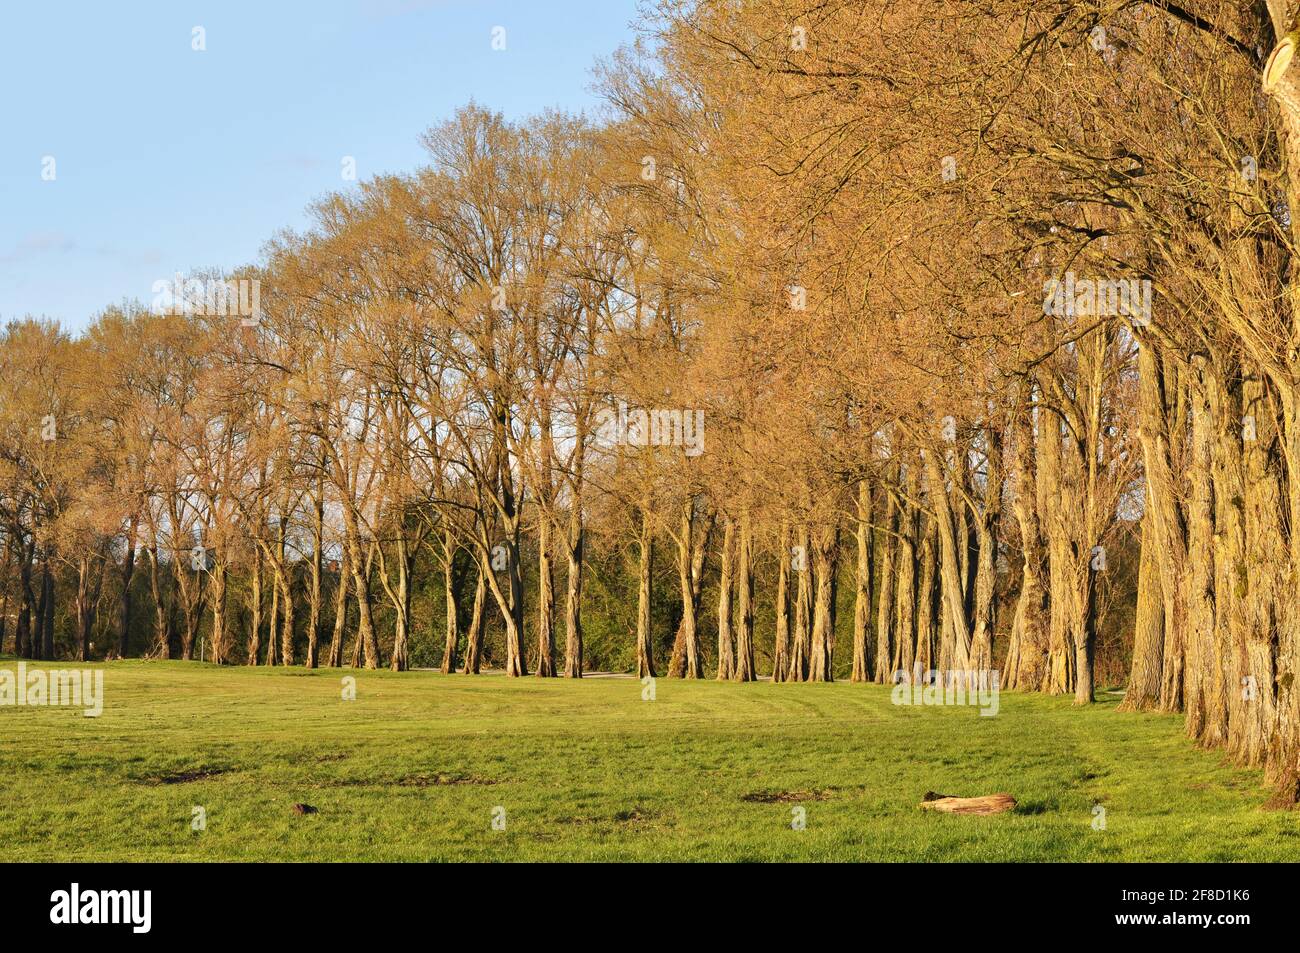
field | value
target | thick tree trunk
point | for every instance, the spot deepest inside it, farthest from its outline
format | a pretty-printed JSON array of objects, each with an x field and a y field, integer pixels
[
  {"x": 1143, "y": 691},
  {"x": 1282, "y": 759},
  {"x": 1228, "y": 717},
  {"x": 1262, "y": 576},
  {"x": 1201, "y": 691},
  {"x": 1283, "y": 755},
  {"x": 1053, "y": 500},
  {"x": 1163, "y": 399}
]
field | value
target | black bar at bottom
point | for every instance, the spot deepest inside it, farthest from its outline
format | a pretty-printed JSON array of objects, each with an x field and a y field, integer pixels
[{"x": 333, "y": 902}]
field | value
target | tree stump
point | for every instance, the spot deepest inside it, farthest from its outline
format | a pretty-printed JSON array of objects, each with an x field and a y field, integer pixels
[{"x": 987, "y": 804}]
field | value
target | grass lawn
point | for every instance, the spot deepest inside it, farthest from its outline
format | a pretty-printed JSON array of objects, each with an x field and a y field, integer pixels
[{"x": 415, "y": 766}]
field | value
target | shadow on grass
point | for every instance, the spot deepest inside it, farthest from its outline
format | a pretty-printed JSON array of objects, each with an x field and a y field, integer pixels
[{"x": 1035, "y": 807}]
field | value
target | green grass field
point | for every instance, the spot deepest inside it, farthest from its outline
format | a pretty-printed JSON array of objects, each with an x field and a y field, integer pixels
[{"x": 414, "y": 768}]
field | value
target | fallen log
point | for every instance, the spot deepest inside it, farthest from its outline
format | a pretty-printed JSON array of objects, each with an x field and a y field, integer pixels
[{"x": 987, "y": 804}]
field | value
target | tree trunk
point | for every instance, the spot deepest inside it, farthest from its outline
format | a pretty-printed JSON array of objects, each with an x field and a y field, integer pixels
[
  {"x": 122, "y": 628},
  {"x": 162, "y": 628},
  {"x": 802, "y": 606},
  {"x": 47, "y": 614},
  {"x": 217, "y": 596},
  {"x": 474, "y": 636},
  {"x": 1262, "y": 575},
  {"x": 1202, "y": 689},
  {"x": 450, "y": 598},
  {"x": 83, "y": 608},
  {"x": 905, "y": 585},
  {"x": 25, "y": 632},
  {"x": 862, "y": 596},
  {"x": 886, "y": 546},
  {"x": 273, "y": 623},
  {"x": 1143, "y": 691},
  {"x": 285, "y": 580},
  {"x": 955, "y": 653},
  {"x": 745, "y": 602},
  {"x": 645, "y": 664},
  {"x": 1026, "y": 665},
  {"x": 400, "y": 597},
  {"x": 1053, "y": 500},
  {"x": 781, "y": 644},
  {"x": 821, "y": 654},
  {"x": 360, "y": 566},
  {"x": 687, "y": 660},
  {"x": 573, "y": 594},
  {"x": 317, "y": 570},
  {"x": 340, "y": 612},
  {"x": 545, "y": 599},
  {"x": 726, "y": 658},
  {"x": 986, "y": 535},
  {"x": 255, "y": 608}
]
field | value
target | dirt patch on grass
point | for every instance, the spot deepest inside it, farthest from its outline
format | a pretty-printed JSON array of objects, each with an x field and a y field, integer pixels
[
  {"x": 632, "y": 815},
  {"x": 185, "y": 777},
  {"x": 411, "y": 781},
  {"x": 440, "y": 780},
  {"x": 786, "y": 797}
]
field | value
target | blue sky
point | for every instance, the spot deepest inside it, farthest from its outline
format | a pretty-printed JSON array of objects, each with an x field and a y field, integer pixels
[{"x": 168, "y": 159}]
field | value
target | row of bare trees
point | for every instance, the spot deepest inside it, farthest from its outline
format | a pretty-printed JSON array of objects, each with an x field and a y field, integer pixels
[{"x": 901, "y": 321}]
